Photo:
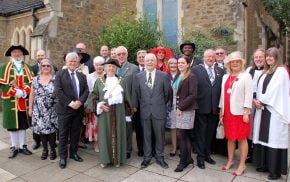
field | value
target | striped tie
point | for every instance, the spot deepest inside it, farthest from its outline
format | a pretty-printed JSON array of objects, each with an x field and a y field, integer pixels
[{"x": 210, "y": 75}]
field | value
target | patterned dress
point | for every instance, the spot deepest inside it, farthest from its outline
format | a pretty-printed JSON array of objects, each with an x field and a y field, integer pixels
[{"x": 44, "y": 117}]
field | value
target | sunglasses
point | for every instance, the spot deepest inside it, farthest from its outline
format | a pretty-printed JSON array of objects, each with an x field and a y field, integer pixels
[
  {"x": 219, "y": 53},
  {"x": 44, "y": 65}
]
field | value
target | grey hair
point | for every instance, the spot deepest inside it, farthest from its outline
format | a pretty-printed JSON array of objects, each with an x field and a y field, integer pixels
[
  {"x": 99, "y": 60},
  {"x": 121, "y": 48},
  {"x": 71, "y": 56},
  {"x": 208, "y": 51},
  {"x": 49, "y": 62},
  {"x": 150, "y": 55}
]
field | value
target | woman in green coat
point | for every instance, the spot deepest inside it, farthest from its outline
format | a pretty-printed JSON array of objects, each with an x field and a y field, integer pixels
[{"x": 108, "y": 97}]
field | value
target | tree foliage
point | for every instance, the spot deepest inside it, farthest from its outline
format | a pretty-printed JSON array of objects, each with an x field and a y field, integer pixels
[
  {"x": 134, "y": 34},
  {"x": 280, "y": 10}
]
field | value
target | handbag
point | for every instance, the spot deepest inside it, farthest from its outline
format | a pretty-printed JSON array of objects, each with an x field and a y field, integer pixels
[{"x": 220, "y": 133}]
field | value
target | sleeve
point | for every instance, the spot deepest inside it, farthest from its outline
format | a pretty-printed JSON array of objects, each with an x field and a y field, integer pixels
[
  {"x": 90, "y": 104},
  {"x": 85, "y": 91},
  {"x": 59, "y": 91},
  {"x": 248, "y": 91}
]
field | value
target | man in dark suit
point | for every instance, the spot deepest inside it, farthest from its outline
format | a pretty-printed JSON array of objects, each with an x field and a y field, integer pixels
[
  {"x": 40, "y": 55},
  {"x": 209, "y": 79},
  {"x": 127, "y": 72},
  {"x": 71, "y": 91},
  {"x": 153, "y": 92}
]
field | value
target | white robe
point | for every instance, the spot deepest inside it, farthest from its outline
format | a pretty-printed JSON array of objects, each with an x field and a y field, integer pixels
[{"x": 277, "y": 101}]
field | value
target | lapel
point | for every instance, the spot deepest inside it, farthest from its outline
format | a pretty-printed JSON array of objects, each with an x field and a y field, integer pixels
[
  {"x": 217, "y": 74},
  {"x": 80, "y": 80},
  {"x": 156, "y": 79},
  {"x": 180, "y": 86},
  {"x": 235, "y": 82},
  {"x": 68, "y": 79}
]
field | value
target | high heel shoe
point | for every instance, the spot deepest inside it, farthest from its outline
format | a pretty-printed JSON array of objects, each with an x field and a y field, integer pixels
[
  {"x": 235, "y": 173},
  {"x": 225, "y": 168}
]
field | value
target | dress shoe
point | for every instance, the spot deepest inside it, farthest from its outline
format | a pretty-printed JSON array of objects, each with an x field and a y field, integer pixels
[
  {"x": 236, "y": 173},
  {"x": 201, "y": 164},
  {"x": 13, "y": 152},
  {"x": 172, "y": 154},
  {"x": 274, "y": 176},
  {"x": 52, "y": 154},
  {"x": 128, "y": 156},
  {"x": 191, "y": 161},
  {"x": 44, "y": 155},
  {"x": 62, "y": 163},
  {"x": 261, "y": 169},
  {"x": 76, "y": 157},
  {"x": 162, "y": 163},
  {"x": 35, "y": 145},
  {"x": 24, "y": 150},
  {"x": 145, "y": 163},
  {"x": 179, "y": 168},
  {"x": 210, "y": 161},
  {"x": 140, "y": 153}
]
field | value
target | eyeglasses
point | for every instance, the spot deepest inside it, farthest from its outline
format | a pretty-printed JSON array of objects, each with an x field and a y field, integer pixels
[
  {"x": 219, "y": 53},
  {"x": 45, "y": 65},
  {"x": 122, "y": 53}
]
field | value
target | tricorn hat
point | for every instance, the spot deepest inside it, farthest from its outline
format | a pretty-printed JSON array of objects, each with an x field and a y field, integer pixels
[
  {"x": 113, "y": 61},
  {"x": 13, "y": 47},
  {"x": 188, "y": 42}
]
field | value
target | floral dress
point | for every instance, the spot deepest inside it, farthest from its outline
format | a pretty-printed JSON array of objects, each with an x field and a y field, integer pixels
[{"x": 44, "y": 117}]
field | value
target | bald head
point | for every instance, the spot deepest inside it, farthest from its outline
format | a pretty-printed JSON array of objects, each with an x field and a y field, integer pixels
[
  {"x": 82, "y": 47},
  {"x": 40, "y": 55}
]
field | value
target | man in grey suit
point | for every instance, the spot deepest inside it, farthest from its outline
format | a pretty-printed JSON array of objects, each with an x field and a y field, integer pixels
[
  {"x": 153, "y": 92},
  {"x": 127, "y": 72}
]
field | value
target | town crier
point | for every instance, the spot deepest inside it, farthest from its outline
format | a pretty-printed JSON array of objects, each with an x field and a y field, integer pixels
[{"x": 15, "y": 81}]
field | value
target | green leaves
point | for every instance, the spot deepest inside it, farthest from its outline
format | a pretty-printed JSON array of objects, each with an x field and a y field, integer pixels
[{"x": 134, "y": 34}]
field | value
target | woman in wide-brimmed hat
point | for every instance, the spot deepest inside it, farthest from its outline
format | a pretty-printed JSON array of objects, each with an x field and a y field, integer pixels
[
  {"x": 235, "y": 103},
  {"x": 162, "y": 54}
]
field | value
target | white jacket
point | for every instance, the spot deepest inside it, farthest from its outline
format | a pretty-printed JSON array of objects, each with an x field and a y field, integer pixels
[{"x": 241, "y": 94}]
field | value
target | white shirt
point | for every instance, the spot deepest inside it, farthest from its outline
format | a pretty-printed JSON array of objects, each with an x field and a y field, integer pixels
[
  {"x": 211, "y": 68},
  {"x": 18, "y": 65},
  {"x": 141, "y": 68},
  {"x": 152, "y": 76}
]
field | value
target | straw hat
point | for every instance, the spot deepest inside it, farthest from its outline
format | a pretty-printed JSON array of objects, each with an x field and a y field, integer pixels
[{"x": 234, "y": 56}]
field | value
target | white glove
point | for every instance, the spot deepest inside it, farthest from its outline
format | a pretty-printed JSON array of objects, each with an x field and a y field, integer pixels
[{"x": 19, "y": 93}]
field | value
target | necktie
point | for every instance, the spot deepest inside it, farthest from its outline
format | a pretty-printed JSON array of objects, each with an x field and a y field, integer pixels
[
  {"x": 74, "y": 83},
  {"x": 149, "y": 81},
  {"x": 210, "y": 75}
]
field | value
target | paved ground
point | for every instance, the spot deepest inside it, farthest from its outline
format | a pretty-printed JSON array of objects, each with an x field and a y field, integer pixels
[{"x": 31, "y": 168}]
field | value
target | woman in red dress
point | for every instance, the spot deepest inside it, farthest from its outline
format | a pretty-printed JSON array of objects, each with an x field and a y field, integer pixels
[{"x": 235, "y": 103}]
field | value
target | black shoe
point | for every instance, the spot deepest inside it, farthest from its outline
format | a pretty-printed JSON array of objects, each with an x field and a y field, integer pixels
[
  {"x": 35, "y": 145},
  {"x": 172, "y": 154},
  {"x": 62, "y": 163},
  {"x": 44, "y": 155},
  {"x": 24, "y": 150},
  {"x": 210, "y": 161},
  {"x": 13, "y": 152},
  {"x": 128, "y": 156},
  {"x": 191, "y": 161},
  {"x": 179, "y": 168},
  {"x": 274, "y": 176},
  {"x": 140, "y": 153},
  {"x": 201, "y": 164},
  {"x": 162, "y": 163},
  {"x": 145, "y": 163},
  {"x": 261, "y": 169},
  {"x": 52, "y": 154},
  {"x": 76, "y": 157}
]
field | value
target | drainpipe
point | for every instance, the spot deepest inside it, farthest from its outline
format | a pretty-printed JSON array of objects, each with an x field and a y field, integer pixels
[{"x": 34, "y": 18}]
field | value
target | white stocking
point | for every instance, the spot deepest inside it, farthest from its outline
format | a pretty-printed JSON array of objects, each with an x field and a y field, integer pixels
[
  {"x": 14, "y": 139},
  {"x": 21, "y": 135}
]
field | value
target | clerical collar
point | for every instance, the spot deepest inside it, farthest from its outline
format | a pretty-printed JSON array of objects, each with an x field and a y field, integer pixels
[{"x": 259, "y": 68}]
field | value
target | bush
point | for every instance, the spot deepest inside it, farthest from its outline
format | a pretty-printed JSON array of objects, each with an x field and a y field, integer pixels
[
  {"x": 210, "y": 39},
  {"x": 134, "y": 34}
]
